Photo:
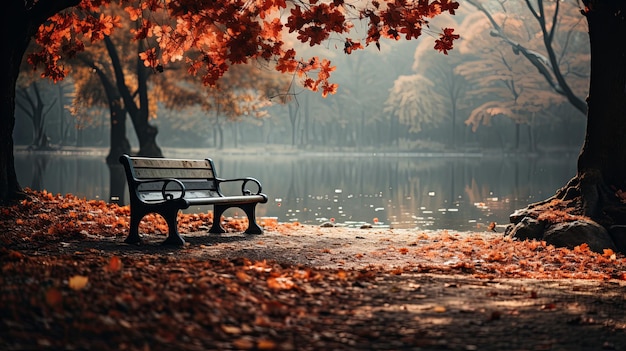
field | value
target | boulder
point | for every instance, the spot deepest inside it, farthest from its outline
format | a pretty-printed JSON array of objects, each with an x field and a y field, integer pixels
[
  {"x": 527, "y": 229},
  {"x": 571, "y": 234}
]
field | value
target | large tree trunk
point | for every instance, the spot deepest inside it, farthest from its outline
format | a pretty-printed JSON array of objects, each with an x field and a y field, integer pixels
[
  {"x": 19, "y": 20},
  {"x": 601, "y": 176},
  {"x": 119, "y": 144},
  {"x": 139, "y": 113},
  {"x": 603, "y": 157},
  {"x": 14, "y": 20},
  {"x": 146, "y": 133}
]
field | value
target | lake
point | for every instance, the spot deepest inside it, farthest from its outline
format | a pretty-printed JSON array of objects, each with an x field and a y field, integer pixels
[{"x": 423, "y": 191}]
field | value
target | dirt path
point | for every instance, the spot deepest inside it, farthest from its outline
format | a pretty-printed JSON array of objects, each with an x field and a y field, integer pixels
[
  {"x": 414, "y": 299},
  {"x": 311, "y": 246}
]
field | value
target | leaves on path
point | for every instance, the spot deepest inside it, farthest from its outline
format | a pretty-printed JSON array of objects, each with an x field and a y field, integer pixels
[{"x": 451, "y": 287}]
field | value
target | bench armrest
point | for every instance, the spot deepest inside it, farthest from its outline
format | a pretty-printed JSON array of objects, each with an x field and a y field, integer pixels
[
  {"x": 165, "y": 181},
  {"x": 244, "y": 181}
]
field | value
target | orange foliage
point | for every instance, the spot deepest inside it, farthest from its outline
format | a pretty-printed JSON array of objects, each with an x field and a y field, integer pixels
[
  {"x": 44, "y": 214},
  {"x": 501, "y": 256},
  {"x": 213, "y": 35}
]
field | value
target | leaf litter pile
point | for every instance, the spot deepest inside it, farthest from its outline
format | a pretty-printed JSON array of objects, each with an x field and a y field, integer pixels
[{"x": 68, "y": 282}]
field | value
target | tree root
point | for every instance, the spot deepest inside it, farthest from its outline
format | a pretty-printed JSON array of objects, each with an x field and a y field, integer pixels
[{"x": 584, "y": 208}]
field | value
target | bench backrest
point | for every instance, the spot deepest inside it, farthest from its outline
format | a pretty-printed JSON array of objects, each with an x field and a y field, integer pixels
[{"x": 198, "y": 176}]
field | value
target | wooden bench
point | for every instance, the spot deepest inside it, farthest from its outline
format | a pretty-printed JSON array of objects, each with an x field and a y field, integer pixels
[{"x": 165, "y": 186}]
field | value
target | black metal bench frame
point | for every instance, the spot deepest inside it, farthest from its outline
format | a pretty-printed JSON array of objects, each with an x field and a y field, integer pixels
[{"x": 166, "y": 186}]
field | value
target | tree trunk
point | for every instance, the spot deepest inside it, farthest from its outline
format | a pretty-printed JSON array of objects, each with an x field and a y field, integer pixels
[
  {"x": 235, "y": 130},
  {"x": 220, "y": 133},
  {"x": 119, "y": 144},
  {"x": 602, "y": 161},
  {"x": 19, "y": 23},
  {"x": 293, "y": 114},
  {"x": 35, "y": 111},
  {"x": 146, "y": 133},
  {"x": 601, "y": 172},
  {"x": 10, "y": 60},
  {"x": 139, "y": 113}
]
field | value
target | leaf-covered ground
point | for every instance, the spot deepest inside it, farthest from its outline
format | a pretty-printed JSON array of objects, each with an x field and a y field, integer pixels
[{"x": 69, "y": 282}]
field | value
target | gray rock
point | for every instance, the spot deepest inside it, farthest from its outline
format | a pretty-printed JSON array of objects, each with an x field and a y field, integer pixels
[
  {"x": 527, "y": 229},
  {"x": 571, "y": 234}
]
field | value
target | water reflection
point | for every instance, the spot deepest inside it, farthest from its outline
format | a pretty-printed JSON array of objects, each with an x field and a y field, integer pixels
[{"x": 402, "y": 192}]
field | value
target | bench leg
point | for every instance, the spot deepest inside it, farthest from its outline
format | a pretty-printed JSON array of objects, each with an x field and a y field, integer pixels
[
  {"x": 133, "y": 235},
  {"x": 173, "y": 237},
  {"x": 253, "y": 227},
  {"x": 218, "y": 211}
]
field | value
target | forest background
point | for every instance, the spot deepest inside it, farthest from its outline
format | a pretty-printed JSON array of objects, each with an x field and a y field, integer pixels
[{"x": 490, "y": 92}]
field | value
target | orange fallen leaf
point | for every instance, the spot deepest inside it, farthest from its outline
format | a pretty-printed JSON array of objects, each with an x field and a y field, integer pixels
[
  {"x": 243, "y": 344},
  {"x": 265, "y": 344},
  {"x": 280, "y": 283},
  {"x": 439, "y": 309},
  {"x": 78, "y": 282},
  {"x": 230, "y": 329},
  {"x": 243, "y": 277},
  {"x": 608, "y": 253},
  {"x": 115, "y": 264}
]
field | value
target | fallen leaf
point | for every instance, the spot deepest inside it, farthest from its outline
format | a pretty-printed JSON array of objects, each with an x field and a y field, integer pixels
[
  {"x": 231, "y": 329},
  {"x": 54, "y": 297},
  {"x": 243, "y": 344},
  {"x": 115, "y": 264},
  {"x": 78, "y": 282},
  {"x": 265, "y": 344},
  {"x": 280, "y": 283},
  {"x": 243, "y": 277}
]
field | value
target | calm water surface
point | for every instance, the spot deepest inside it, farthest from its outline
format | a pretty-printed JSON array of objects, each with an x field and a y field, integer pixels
[{"x": 409, "y": 191}]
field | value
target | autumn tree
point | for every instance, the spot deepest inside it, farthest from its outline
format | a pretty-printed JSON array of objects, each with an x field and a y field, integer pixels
[
  {"x": 505, "y": 84},
  {"x": 31, "y": 102},
  {"x": 432, "y": 94},
  {"x": 225, "y": 33},
  {"x": 552, "y": 35},
  {"x": 413, "y": 102},
  {"x": 541, "y": 64}
]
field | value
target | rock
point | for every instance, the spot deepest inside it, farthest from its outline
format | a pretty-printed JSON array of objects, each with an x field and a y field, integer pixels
[
  {"x": 518, "y": 215},
  {"x": 527, "y": 229},
  {"x": 522, "y": 213},
  {"x": 571, "y": 234},
  {"x": 327, "y": 225}
]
